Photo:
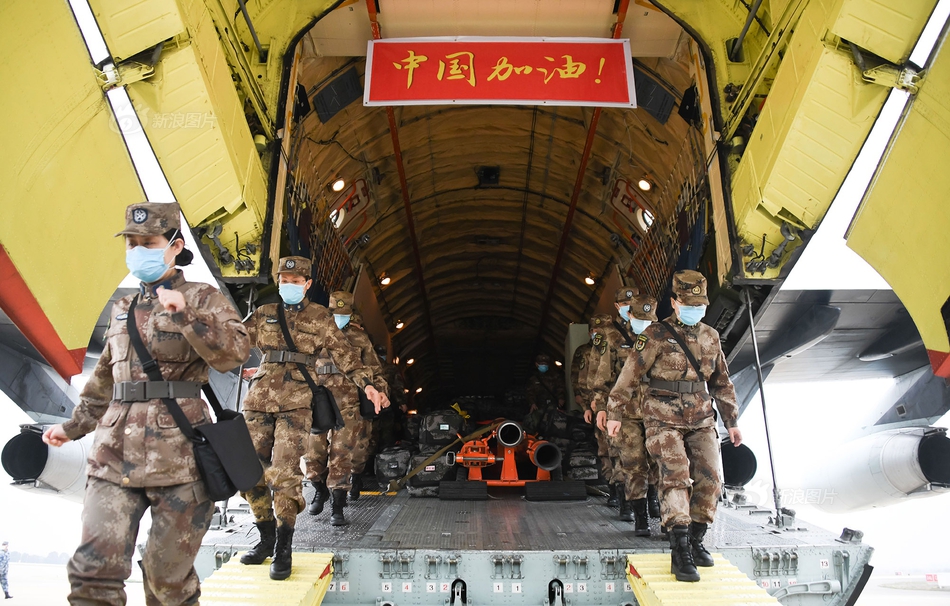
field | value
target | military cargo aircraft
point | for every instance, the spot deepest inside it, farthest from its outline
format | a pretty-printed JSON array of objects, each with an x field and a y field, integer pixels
[{"x": 479, "y": 228}]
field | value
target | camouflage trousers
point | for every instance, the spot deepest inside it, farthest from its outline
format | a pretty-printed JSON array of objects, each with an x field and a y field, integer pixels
[
  {"x": 688, "y": 460},
  {"x": 330, "y": 454},
  {"x": 280, "y": 440},
  {"x": 367, "y": 437},
  {"x": 608, "y": 455},
  {"x": 636, "y": 469},
  {"x": 181, "y": 516},
  {"x": 3, "y": 583}
]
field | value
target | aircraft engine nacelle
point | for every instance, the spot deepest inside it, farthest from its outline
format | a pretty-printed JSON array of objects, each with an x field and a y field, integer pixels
[
  {"x": 35, "y": 466},
  {"x": 884, "y": 468}
]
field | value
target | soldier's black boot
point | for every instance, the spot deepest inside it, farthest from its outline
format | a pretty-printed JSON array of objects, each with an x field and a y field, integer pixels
[
  {"x": 356, "y": 487},
  {"x": 701, "y": 557},
  {"x": 653, "y": 502},
  {"x": 681, "y": 558},
  {"x": 626, "y": 507},
  {"x": 264, "y": 549},
  {"x": 642, "y": 528},
  {"x": 283, "y": 553},
  {"x": 339, "y": 502},
  {"x": 614, "y": 499},
  {"x": 320, "y": 496}
]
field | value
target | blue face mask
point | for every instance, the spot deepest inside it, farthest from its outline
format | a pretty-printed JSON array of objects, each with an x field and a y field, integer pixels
[
  {"x": 147, "y": 264},
  {"x": 542, "y": 368},
  {"x": 639, "y": 326},
  {"x": 291, "y": 293},
  {"x": 625, "y": 312},
  {"x": 690, "y": 315},
  {"x": 341, "y": 320}
]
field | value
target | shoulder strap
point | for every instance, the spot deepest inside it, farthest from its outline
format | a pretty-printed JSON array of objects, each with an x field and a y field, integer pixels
[
  {"x": 623, "y": 332},
  {"x": 282, "y": 319},
  {"x": 150, "y": 366},
  {"x": 689, "y": 354}
]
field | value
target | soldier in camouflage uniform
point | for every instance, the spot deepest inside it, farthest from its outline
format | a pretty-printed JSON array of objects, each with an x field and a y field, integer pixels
[
  {"x": 278, "y": 406},
  {"x": 365, "y": 439},
  {"x": 634, "y": 463},
  {"x": 679, "y": 418},
  {"x": 140, "y": 460},
  {"x": 390, "y": 422},
  {"x": 604, "y": 363},
  {"x": 544, "y": 394},
  {"x": 579, "y": 379},
  {"x": 328, "y": 459}
]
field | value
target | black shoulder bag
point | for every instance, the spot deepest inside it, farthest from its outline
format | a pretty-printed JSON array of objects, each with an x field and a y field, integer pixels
[
  {"x": 689, "y": 354},
  {"x": 326, "y": 413},
  {"x": 224, "y": 453},
  {"x": 624, "y": 333}
]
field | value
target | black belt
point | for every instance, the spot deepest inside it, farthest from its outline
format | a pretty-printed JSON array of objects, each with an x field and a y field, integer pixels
[
  {"x": 143, "y": 391},
  {"x": 280, "y": 356},
  {"x": 679, "y": 386}
]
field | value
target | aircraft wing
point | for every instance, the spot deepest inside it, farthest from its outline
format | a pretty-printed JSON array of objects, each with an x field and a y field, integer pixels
[{"x": 823, "y": 335}]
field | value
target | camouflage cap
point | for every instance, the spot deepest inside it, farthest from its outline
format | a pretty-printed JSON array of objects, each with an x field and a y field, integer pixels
[
  {"x": 689, "y": 287},
  {"x": 543, "y": 359},
  {"x": 341, "y": 302},
  {"x": 294, "y": 265},
  {"x": 151, "y": 219},
  {"x": 598, "y": 321},
  {"x": 626, "y": 294},
  {"x": 643, "y": 307},
  {"x": 356, "y": 319}
]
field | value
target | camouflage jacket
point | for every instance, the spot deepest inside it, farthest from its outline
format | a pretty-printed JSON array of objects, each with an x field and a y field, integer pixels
[
  {"x": 606, "y": 358},
  {"x": 545, "y": 390},
  {"x": 657, "y": 355},
  {"x": 397, "y": 396},
  {"x": 579, "y": 371},
  {"x": 280, "y": 386},
  {"x": 358, "y": 337},
  {"x": 138, "y": 443}
]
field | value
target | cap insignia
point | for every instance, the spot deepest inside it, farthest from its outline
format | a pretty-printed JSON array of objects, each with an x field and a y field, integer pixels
[{"x": 139, "y": 216}]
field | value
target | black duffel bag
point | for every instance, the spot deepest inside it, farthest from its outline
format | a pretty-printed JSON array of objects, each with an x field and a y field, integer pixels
[
  {"x": 440, "y": 427},
  {"x": 433, "y": 473},
  {"x": 392, "y": 464}
]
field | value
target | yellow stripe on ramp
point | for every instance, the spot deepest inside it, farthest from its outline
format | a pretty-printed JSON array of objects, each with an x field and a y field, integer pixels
[
  {"x": 653, "y": 585},
  {"x": 235, "y": 583}
]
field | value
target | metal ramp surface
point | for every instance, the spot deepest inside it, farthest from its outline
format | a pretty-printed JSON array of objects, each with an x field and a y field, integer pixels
[
  {"x": 723, "y": 584},
  {"x": 235, "y": 583}
]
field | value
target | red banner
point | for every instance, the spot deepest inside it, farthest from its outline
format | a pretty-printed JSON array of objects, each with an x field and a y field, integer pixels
[{"x": 560, "y": 71}]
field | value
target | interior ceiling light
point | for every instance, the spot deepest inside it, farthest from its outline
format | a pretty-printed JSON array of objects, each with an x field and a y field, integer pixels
[
  {"x": 384, "y": 279},
  {"x": 399, "y": 324},
  {"x": 644, "y": 184},
  {"x": 410, "y": 361},
  {"x": 418, "y": 390},
  {"x": 396, "y": 360},
  {"x": 338, "y": 185},
  {"x": 590, "y": 280},
  {"x": 558, "y": 363}
]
